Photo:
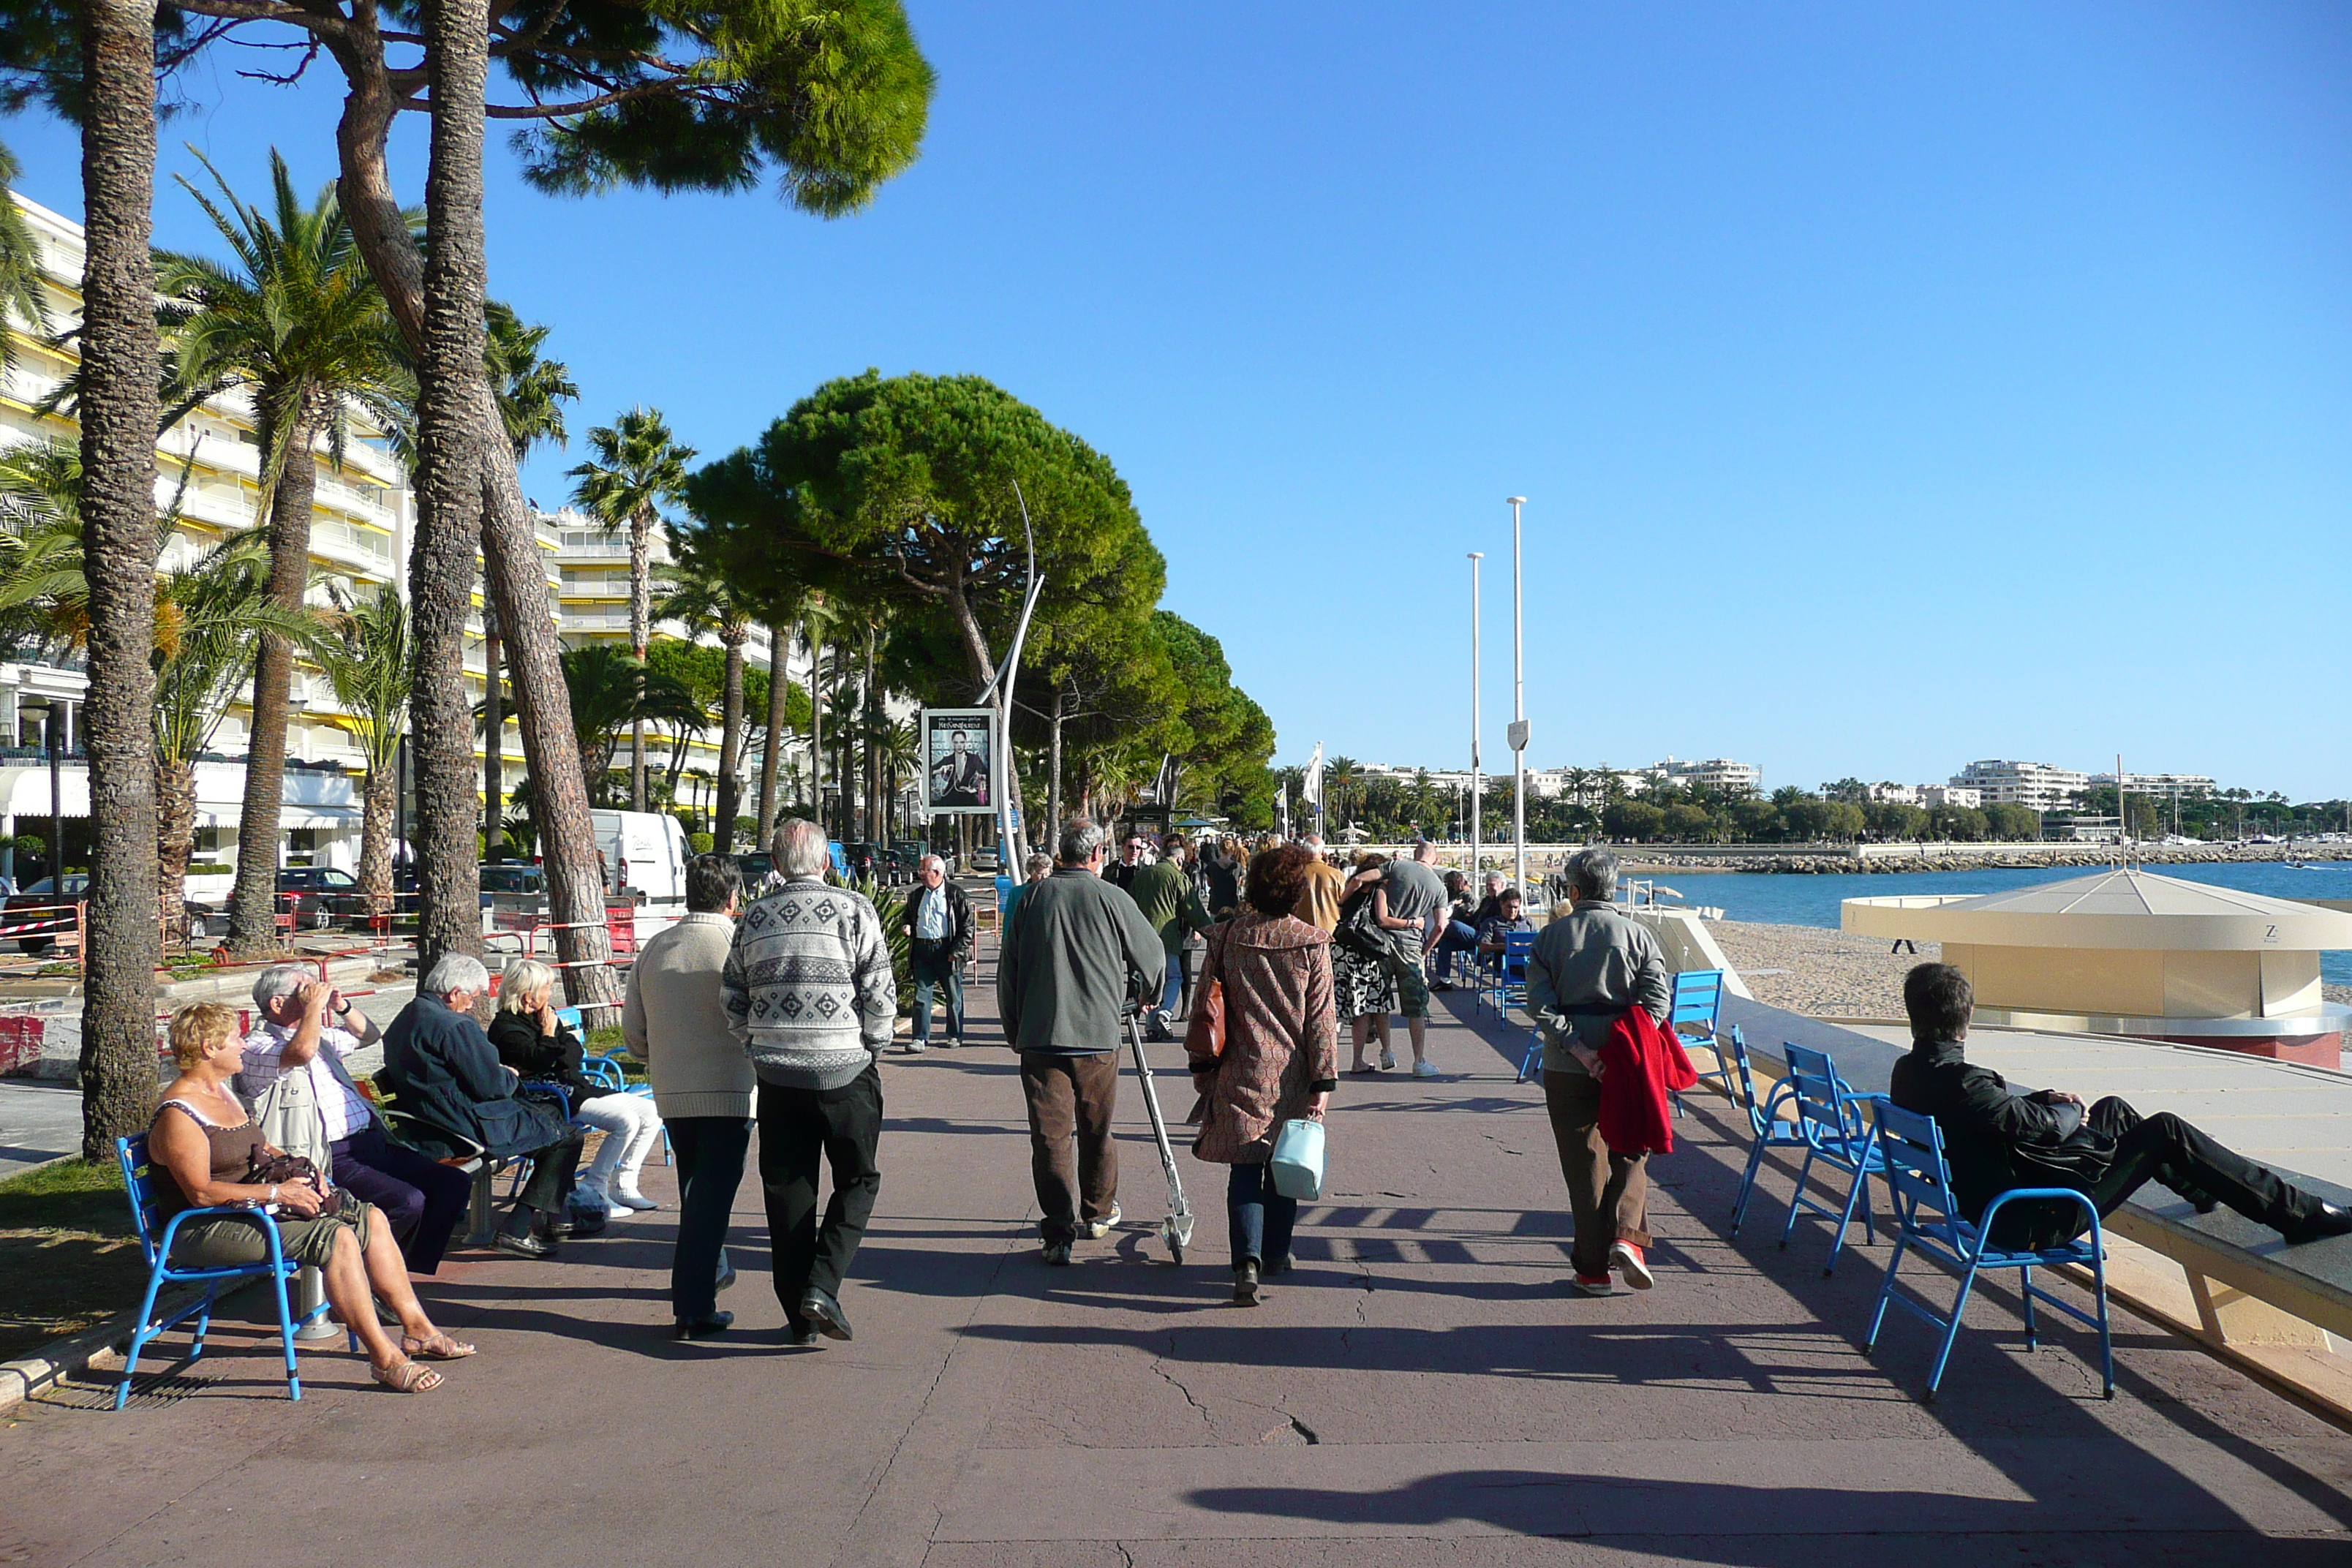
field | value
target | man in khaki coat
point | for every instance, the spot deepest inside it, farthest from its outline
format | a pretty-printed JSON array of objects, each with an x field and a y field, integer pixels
[{"x": 674, "y": 1023}]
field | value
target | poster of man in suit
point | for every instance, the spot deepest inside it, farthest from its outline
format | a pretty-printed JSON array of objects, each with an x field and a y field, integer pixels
[{"x": 958, "y": 749}]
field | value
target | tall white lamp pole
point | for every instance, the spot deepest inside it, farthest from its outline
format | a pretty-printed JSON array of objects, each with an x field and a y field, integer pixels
[
  {"x": 1519, "y": 733},
  {"x": 1475, "y": 786}
]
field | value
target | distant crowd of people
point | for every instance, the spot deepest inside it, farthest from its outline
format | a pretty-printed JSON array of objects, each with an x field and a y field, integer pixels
[{"x": 777, "y": 1012}]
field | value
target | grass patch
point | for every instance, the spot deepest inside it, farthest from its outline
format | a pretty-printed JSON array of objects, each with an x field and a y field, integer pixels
[
  {"x": 67, "y": 1249},
  {"x": 609, "y": 1041}
]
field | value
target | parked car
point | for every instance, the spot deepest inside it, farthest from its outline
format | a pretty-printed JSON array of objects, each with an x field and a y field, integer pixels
[
  {"x": 319, "y": 895},
  {"x": 31, "y": 916}
]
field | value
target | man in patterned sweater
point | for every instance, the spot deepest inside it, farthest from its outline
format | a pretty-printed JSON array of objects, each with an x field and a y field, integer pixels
[{"x": 808, "y": 990}]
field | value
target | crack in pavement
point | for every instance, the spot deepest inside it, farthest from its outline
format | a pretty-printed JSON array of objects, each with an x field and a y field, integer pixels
[{"x": 1158, "y": 1365}]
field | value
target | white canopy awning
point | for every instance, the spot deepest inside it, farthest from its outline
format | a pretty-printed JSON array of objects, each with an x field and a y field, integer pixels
[
  {"x": 24, "y": 790},
  {"x": 2113, "y": 910}
]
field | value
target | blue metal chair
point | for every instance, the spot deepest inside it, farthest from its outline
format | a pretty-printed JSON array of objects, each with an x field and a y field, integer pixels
[
  {"x": 1697, "y": 1014},
  {"x": 139, "y": 1183},
  {"x": 1927, "y": 1215},
  {"x": 1765, "y": 1126},
  {"x": 1830, "y": 1121},
  {"x": 1507, "y": 980}
]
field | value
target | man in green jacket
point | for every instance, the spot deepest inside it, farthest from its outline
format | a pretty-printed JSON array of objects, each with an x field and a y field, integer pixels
[
  {"x": 1171, "y": 905},
  {"x": 1076, "y": 950}
]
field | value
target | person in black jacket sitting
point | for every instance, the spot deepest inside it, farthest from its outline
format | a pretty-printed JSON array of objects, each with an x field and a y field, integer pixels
[
  {"x": 535, "y": 1043},
  {"x": 442, "y": 1069},
  {"x": 1997, "y": 1138}
]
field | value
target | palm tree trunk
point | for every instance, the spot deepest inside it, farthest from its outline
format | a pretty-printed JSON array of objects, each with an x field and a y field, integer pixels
[
  {"x": 375, "y": 838},
  {"x": 559, "y": 809},
  {"x": 494, "y": 739},
  {"x": 450, "y": 441},
  {"x": 253, "y": 903},
  {"x": 117, "y": 457},
  {"x": 730, "y": 742},
  {"x": 817, "y": 722},
  {"x": 1054, "y": 769},
  {"x": 641, "y": 611},
  {"x": 780, "y": 691},
  {"x": 176, "y": 825}
]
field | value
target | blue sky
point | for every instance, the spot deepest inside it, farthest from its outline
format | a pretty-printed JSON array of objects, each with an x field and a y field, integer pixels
[{"x": 1892, "y": 386}]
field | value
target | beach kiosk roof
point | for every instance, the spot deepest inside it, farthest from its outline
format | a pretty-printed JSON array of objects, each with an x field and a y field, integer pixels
[
  {"x": 2130, "y": 952},
  {"x": 2119, "y": 908}
]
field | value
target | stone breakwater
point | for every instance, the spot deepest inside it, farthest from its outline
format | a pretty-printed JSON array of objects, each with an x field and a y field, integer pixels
[{"x": 1822, "y": 863}]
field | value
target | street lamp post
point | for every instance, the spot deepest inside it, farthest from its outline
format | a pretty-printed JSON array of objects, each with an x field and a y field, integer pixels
[
  {"x": 1475, "y": 557},
  {"x": 1519, "y": 733}
]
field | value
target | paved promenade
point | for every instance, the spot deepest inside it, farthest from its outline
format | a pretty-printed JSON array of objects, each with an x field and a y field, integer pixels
[{"x": 1422, "y": 1390}]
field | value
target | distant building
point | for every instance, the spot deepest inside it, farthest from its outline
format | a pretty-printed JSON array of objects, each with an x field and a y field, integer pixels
[
  {"x": 1894, "y": 795},
  {"x": 2037, "y": 787},
  {"x": 1928, "y": 796},
  {"x": 1719, "y": 773},
  {"x": 2083, "y": 829},
  {"x": 2164, "y": 786}
]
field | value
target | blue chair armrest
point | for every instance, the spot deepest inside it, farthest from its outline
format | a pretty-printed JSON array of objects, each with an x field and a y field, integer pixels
[
  {"x": 2068, "y": 1193},
  {"x": 268, "y": 1224}
]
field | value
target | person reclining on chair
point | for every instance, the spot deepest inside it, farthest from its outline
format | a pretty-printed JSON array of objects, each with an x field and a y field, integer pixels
[{"x": 1997, "y": 1138}]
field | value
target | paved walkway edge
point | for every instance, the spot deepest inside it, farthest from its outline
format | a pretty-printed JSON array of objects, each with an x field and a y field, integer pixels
[{"x": 28, "y": 1375}]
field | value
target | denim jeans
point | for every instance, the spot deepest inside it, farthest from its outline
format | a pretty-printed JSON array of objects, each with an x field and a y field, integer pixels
[
  {"x": 1171, "y": 994},
  {"x": 1260, "y": 1219},
  {"x": 1458, "y": 937},
  {"x": 934, "y": 967}
]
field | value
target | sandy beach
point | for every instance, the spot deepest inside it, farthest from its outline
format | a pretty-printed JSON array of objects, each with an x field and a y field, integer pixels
[{"x": 1834, "y": 973}]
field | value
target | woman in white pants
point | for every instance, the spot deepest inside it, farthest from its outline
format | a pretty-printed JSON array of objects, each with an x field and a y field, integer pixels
[{"x": 532, "y": 1042}]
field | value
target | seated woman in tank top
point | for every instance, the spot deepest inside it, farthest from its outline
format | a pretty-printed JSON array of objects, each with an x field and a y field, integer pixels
[{"x": 200, "y": 1146}]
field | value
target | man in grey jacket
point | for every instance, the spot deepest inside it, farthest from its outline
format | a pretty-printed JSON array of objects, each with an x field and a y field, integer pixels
[
  {"x": 1078, "y": 950},
  {"x": 1588, "y": 967},
  {"x": 808, "y": 990}
]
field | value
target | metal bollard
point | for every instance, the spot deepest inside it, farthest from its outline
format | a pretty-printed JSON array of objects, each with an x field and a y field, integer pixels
[{"x": 311, "y": 1286}]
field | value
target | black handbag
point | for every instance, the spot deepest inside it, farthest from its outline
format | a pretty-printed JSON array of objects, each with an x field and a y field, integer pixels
[{"x": 1360, "y": 930}]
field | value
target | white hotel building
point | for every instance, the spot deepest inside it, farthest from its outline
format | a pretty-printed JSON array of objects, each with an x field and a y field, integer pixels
[{"x": 364, "y": 519}]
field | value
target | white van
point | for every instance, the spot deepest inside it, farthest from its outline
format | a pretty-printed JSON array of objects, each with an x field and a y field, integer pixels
[{"x": 644, "y": 856}]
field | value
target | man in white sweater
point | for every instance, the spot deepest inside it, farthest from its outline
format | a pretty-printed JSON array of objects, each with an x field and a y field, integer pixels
[
  {"x": 809, "y": 992},
  {"x": 676, "y": 1023}
]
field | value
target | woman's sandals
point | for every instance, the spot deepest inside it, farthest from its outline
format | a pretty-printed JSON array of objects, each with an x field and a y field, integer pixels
[
  {"x": 406, "y": 1377},
  {"x": 439, "y": 1346}
]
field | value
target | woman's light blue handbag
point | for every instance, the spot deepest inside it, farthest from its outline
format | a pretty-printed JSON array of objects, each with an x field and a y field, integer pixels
[{"x": 1297, "y": 1163}]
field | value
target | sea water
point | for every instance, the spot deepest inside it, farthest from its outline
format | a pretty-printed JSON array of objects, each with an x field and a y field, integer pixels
[{"x": 1799, "y": 899}]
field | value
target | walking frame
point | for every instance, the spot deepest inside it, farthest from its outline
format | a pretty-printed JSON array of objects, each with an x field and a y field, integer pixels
[{"x": 1176, "y": 1228}]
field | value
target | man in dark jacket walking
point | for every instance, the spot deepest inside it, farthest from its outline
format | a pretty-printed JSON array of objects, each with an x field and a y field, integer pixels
[
  {"x": 937, "y": 923},
  {"x": 1077, "y": 954},
  {"x": 1997, "y": 1138},
  {"x": 442, "y": 1069}
]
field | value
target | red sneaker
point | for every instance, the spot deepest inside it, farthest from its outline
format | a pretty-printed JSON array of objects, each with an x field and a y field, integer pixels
[
  {"x": 1604, "y": 1285},
  {"x": 1627, "y": 1259}
]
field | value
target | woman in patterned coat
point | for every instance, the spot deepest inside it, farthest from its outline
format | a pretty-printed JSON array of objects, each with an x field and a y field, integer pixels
[{"x": 1280, "y": 1060}]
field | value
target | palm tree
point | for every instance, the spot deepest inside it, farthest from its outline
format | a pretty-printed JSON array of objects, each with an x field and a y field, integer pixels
[
  {"x": 699, "y": 592},
  {"x": 20, "y": 264},
  {"x": 611, "y": 692},
  {"x": 297, "y": 323},
  {"x": 208, "y": 617},
  {"x": 531, "y": 393},
  {"x": 1338, "y": 777},
  {"x": 782, "y": 618},
  {"x": 118, "y": 409},
  {"x": 636, "y": 466},
  {"x": 371, "y": 672},
  {"x": 821, "y": 614}
]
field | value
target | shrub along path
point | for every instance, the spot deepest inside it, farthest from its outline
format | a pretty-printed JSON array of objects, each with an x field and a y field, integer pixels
[{"x": 1421, "y": 1391}]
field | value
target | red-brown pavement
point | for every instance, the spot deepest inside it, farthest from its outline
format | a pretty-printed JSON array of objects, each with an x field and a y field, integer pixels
[{"x": 1422, "y": 1390}]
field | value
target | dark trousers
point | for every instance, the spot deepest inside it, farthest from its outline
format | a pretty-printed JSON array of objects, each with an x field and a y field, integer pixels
[
  {"x": 799, "y": 1127},
  {"x": 1608, "y": 1193},
  {"x": 1457, "y": 937},
  {"x": 1071, "y": 1155},
  {"x": 709, "y": 1152},
  {"x": 420, "y": 1198},
  {"x": 554, "y": 1170},
  {"x": 2167, "y": 1151},
  {"x": 1259, "y": 1218},
  {"x": 934, "y": 966}
]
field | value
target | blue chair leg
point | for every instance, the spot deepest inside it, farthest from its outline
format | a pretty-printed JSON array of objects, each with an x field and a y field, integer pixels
[
  {"x": 1747, "y": 1179},
  {"x": 2106, "y": 1348},
  {"x": 139, "y": 1338},
  {"x": 1859, "y": 1196},
  {"x": 1797, "y": 1197},
  {"x": 285, "y": 1336},
  {"x": 1886, "y": 1291},
  {"x": 2025, "y": 1283},
  {"x": 1951, "y": 1332}
]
